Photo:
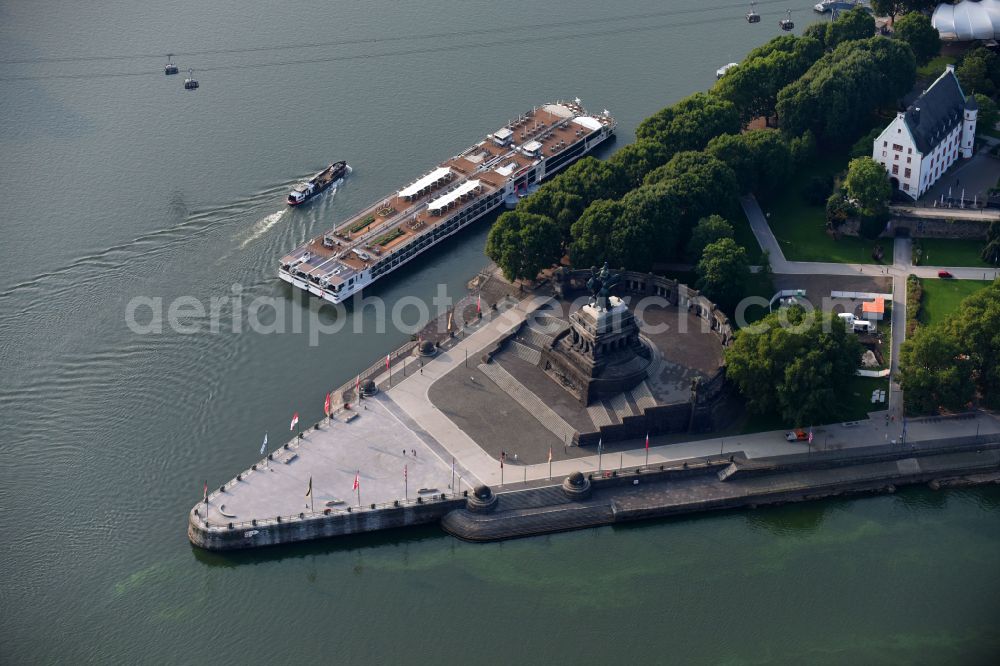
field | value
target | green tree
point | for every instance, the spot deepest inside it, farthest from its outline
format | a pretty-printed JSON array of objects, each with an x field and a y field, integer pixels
[
  {"x": 987, "y": 117},
  {"x": 850, "y": 26},
  {"x": 979, "y": 71},
  {"x": 592, "y": 233},
  {"x": 976, "y": 326},
  {"x": 933, "y": 372},
  {"x": 836, "y": 96},
  {"x": 868, "y": 184},
  {"x": 761, "y": 159},
  {"x": 753, "y": 86},
  {"x": 723, "y": 271},
  {"x": 890, "y": 8},
  {"x": 818, "y": 32},
  {"x": 522, "y": 244},
  {"x": 863, "y": 146},
  {"x": 690, "y": 123},
  {"x": 707, "y": 231},
  {"x": 639, "y": 158},
  {"x": 795, "y": 364},
  {"x": 698, "y": 183},
  {"x": 991, "y": 251},
  {"x": 650, "y": 227},
  {"x": 916, "y": 30}
]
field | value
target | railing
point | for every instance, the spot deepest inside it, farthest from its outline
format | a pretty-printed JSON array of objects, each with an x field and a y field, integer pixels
[{"x": 327, "y": 512}]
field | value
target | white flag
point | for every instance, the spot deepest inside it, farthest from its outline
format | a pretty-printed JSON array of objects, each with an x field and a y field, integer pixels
[{"x": 263, "y": 447}]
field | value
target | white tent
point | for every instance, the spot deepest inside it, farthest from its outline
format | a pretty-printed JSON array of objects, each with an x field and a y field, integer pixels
[{"x": 968, "y": 20}]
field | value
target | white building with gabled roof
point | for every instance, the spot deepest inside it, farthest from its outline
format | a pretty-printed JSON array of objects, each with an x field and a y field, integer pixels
[{"x": 922, "y": 142}]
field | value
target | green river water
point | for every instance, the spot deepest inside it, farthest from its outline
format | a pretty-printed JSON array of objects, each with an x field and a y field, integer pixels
[{"x": 117, "y": 184}]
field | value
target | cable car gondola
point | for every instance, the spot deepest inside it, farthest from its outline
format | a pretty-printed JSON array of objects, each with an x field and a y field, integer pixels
[
  {"x": 752, "y": 15},
  {"x": 169, "y": 68},
  {"x": 786, "y": 23},
  {"x": 190, "y": 83}
]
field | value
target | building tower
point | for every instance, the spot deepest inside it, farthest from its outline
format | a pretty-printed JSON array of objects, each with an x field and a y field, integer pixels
[{"x": 969, "y": 125}]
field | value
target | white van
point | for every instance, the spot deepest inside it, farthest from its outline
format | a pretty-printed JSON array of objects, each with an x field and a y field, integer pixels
[{"x": 863, "y": 326}]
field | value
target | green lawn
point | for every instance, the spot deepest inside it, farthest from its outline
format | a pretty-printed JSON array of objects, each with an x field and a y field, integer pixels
[
  {"x": 942, "y": 297},
  {"x": 951, "y": 252},
  {"x": 801, "y": 227},
  {"x": 934, "y": 68}
]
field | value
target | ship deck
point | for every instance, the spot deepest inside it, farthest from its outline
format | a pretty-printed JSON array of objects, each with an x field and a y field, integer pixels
[{"x": 480, "y": 171}]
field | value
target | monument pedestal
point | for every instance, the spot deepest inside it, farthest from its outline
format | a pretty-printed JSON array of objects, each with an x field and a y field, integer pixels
[{"x": 600, "y": 354}]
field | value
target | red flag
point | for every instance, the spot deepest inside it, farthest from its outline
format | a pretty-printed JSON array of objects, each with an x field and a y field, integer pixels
[
  {"x": 326, "y": 405},
  {"x": 478, "y": 304},
  {"x": 647, "y": 441},
  {"x": 386, "y": 361},
  {"x": 206, "y": 492},
  {"x": 357, "y": 384},
  {"x": 357, "y": 481},
  {"x": 295, "y": 420}
]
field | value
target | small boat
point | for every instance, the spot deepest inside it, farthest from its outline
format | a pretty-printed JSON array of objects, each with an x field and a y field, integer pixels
[
  {"x": 836, "y": 6},
  {"x": 719, "y": 73},
  {"x": 332, "y": 175}
]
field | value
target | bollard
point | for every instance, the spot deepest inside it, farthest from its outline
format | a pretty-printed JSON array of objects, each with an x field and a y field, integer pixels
[
  {"x": 278, "y": 519},
  {"x": 373, "y": 506},
  {"x": 326, "y": 512},
  {"x": 230, "y": 526},
  {"x": 301, "y": 515},
  {"x": 254, "y": 522},
  {"x": 239, "y": 477}
]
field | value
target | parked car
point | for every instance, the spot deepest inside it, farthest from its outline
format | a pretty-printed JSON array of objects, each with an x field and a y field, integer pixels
[
  {"x": 797, "y": 435},
  {"x": 945, "y": 274}
]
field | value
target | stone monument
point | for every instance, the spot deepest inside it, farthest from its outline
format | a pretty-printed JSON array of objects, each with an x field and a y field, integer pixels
[{"x": 600, "y": 353}]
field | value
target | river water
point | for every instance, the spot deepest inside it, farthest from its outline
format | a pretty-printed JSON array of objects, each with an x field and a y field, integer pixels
[{"x": 118, "y": 184}]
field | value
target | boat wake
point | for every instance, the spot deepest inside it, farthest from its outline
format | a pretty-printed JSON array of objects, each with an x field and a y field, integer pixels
[{"x": 261, "y": 227}]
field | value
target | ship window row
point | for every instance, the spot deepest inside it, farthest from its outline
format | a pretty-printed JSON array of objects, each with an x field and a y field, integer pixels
[{"x": 556, "y": 162}]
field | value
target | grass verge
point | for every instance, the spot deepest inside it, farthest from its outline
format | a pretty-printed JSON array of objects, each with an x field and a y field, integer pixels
[{"x": 941, "y": 298}]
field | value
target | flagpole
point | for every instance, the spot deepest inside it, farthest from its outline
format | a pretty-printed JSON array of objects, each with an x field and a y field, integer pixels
[
  {"x": 600, "y": 452},
  {"x": 358, "y": 477},
  {"x": 406, "y": 485},
  {"x": 647, "y": 451},
  {"x": 453, "y": 474}
]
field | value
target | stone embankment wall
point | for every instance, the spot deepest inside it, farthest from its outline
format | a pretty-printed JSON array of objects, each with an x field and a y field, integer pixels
[
  {"x": 307, "y": 526},
  {"x": 705, "y": 485}
]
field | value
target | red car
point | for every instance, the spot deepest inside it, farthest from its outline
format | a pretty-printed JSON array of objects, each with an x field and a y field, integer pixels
[{"x": 945, "y": 274}]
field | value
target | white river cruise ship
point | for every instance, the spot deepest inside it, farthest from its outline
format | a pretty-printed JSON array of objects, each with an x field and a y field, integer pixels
[{"x": 505, "y": 165}]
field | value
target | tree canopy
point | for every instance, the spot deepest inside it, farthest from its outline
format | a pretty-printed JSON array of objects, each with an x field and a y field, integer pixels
[
  {"x": 753, "y": 86},
  {"x": 934, "y": 372},
  {"x": 836, "y": 96},
  {"x": 944, "y": 365},
  {"x": 522, "y": 244},
  {"x": 916, "y": 30},
  {"x": 707, "y": 231},
  {"x": 893, "y": 8},
  {"x": 761, "y": 159},
  {"x": 800, "y": 371},
  {"x": 850, "y": 26},
  {"x": 988, "y": 114},
  {"x": 723, "y": 271},
  {"x": 979, "y": 71},
  {"x": 868, "y": 185},
  {"x": 690, "y": 123}
]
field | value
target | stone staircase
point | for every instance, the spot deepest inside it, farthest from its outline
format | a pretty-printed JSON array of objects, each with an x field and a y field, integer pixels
[
  {"x": 535, "y": 338},
  {"x": 619, "y": 403},
  {"x": 531, "y": 402},
  {"x": 599, "y": 415},
  {"x": 522, "y": 351},
  {"x": 643, "y": 397}
]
